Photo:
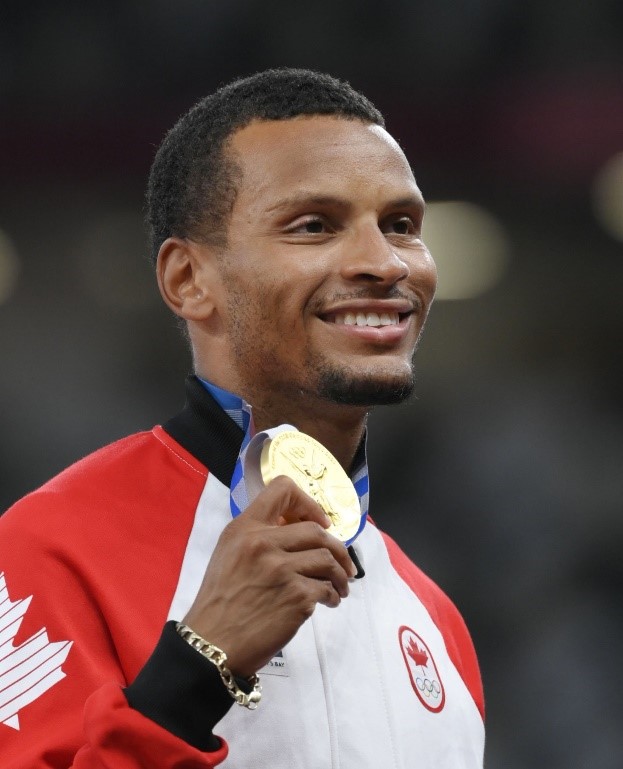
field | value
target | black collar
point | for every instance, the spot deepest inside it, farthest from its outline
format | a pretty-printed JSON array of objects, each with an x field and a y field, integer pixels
[{"x": 206, "y": 431}]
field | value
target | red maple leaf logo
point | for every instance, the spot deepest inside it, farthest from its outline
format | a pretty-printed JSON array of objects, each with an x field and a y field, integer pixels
[{"x": 418, "y": 655}]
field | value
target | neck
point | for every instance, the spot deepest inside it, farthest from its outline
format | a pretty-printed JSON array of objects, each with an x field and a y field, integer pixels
[{"x": 339, "y": 428}]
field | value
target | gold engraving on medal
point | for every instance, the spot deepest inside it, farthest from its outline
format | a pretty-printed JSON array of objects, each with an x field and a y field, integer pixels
[{"x": 317, "y": 472}]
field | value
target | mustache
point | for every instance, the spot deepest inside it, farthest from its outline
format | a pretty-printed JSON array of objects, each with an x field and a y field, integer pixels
[{"x": 371, "y": 293}]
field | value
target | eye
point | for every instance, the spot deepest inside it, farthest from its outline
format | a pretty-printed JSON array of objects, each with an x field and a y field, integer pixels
[
  {"x": 308, "y": 225},
  {"x": 400, "y": 225}
]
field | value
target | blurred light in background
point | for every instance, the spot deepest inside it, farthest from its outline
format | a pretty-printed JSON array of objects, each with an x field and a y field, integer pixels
[
  {"x": 112, "y": 262},
  {"x": 469, "y": 246},
  {"x": 9, "y": 267},
  {"x": 608, "y": 196}
]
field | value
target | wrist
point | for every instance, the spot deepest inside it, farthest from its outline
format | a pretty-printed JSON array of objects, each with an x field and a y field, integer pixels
[{"x": 245, "y": 692}]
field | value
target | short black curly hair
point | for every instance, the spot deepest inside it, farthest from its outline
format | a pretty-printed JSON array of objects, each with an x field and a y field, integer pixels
[{"x": 192, "y": 183}]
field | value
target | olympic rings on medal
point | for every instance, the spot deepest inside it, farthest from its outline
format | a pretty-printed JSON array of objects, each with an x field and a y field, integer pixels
[{"x": 428, "y": 688}]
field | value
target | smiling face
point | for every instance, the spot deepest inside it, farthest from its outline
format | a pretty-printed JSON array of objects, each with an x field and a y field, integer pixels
[{"x": 326, "y": 282}]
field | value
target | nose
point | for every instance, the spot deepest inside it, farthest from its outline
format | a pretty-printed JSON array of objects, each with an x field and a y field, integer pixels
[{"x": 369, "y": 257}]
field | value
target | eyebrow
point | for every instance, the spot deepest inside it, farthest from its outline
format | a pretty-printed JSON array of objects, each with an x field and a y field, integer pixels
[
  {"x": 304, "y": 198},
  {"x": 308, "y": 199},
  {"x": 409, "y": 201}
]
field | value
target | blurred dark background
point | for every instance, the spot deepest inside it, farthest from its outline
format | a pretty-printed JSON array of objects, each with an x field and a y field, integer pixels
[{"x": 503, "y": 479}]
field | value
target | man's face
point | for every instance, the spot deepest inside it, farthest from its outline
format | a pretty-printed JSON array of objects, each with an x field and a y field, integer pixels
[{"x": 327, "y": 282}]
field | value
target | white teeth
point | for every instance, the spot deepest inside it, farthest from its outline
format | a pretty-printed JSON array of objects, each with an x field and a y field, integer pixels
[{"x": 373, "y": 319}]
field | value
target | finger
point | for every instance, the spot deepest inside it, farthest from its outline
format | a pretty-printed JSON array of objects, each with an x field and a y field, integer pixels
[
  {"x": 320, "y": 591},
  {"x": 283, "y": 499},
  {"x": 320, "y": 565},
  {"x": 328, "y": 595},
  {"x": 307, "y": 536}
]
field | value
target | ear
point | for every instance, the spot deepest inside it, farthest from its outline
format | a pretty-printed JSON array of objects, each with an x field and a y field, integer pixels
[{"x": 186, "y": 278}]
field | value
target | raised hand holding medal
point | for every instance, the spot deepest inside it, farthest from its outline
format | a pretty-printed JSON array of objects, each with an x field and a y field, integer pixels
[{"x": 265, "y": 578}]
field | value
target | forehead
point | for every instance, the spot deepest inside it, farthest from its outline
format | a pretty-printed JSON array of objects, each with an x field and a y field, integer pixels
[{"x": 322, "y": 155}]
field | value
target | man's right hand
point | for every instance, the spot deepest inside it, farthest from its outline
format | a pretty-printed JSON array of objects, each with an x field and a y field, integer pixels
[{"x": 265, "y": 578}]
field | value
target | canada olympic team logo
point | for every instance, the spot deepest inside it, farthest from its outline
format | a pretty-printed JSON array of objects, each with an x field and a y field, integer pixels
[{"x": 425, "y": 678}]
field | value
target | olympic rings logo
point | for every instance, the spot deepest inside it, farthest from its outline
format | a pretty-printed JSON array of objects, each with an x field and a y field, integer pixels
[
  {"x": 422, "y": 670},
  {"x": 428, "y": 688}
]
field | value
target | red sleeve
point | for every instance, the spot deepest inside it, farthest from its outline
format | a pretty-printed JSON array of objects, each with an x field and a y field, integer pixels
[
  {"x": 61, "y": 698},
  {"x": 447, "y": 618},
  {"x": 118, "y": 737},
  {"x": 71, "y": 639}
]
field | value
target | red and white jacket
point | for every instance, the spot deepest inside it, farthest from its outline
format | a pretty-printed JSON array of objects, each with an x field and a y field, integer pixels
[{"x": 93, "y": 565}]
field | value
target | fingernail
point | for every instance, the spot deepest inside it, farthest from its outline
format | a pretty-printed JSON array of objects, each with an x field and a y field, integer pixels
[{"x": 353, "y": 570}]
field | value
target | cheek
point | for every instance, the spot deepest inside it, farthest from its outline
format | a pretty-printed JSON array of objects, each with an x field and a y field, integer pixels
[
  {"x": 428, "y": 271},
  {"x": 276, "y": 303},
  {"x": 264, "y": 322},
  {"x": 422, "y": 274}
]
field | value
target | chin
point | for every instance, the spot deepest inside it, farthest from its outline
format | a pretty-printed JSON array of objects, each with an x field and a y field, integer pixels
[{"x": 356, "y": 389}]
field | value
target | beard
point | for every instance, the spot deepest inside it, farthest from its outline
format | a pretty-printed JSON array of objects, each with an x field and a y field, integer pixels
[{"x": 360, "y": 389}]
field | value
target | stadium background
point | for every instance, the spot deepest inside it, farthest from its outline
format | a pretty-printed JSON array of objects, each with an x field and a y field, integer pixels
[{"x": 503, "y": 480}]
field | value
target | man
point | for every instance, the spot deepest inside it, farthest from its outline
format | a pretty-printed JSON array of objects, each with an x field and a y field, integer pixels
[{"x": 286, "y": 227}]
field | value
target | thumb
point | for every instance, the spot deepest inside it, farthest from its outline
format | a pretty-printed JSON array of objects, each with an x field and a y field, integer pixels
[{"x": 283, "y": 500}]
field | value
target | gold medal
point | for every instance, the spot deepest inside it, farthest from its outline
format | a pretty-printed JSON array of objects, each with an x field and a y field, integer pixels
[{"x": 317, "y": 472}]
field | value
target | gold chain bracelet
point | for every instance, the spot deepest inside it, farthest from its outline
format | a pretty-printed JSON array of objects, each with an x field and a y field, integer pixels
[{"x": 219, "y": 658}]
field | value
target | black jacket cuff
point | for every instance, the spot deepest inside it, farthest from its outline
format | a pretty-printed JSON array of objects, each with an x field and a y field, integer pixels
[{"x": 181, "y": 691}]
